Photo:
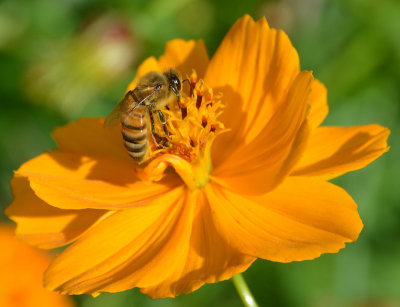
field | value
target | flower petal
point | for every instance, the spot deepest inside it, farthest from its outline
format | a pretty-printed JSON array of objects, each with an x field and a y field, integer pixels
[
  {"x": 42, "y": 225},
  {"x": 22, "y": 268},
  {"x": 333, "y": 151},
  {"x": 299, "y": 220},
  {"x": 262, "y": 164},
  {"x": 185, "y": 56},
  {"x": 209, "y": 258},
  {"x": 137, "y": 247},
  {"x": 70, "y": 181},
  {"x": 89, "y": 137},
  {"x": 318, "y": 104},
  {"x": 253, "y": 68},
  {"x": 179, "y": 54},
  {"x": 167, "y": 248}
]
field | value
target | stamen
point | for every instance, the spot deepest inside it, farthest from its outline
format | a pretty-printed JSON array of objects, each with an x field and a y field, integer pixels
[
  {"x": 184, "y": 112},
  {"x": 210, "y": 98},
  {"x": 193, "y": 81},
  {"x": 192, "y": 125},
  {"x": 204, "y": 121},
  {"x": 199, "y": 98}
]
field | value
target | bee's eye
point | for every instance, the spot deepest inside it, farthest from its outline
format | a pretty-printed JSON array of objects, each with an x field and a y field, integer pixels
[{"x": 176, "y": 82}]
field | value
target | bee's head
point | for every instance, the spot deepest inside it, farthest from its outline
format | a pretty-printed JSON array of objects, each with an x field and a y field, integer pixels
[{"x": 174, "y": 79}]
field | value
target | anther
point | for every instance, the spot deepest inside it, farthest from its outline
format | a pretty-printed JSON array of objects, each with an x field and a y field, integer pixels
[
  {"x": 212, "y": 129},
  {"x": 204, "y": 121},
  {"x": 199, "y": 98},
  {"x": 184, "y": 111}
]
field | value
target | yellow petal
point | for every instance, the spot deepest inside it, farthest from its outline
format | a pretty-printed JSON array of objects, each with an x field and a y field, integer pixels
[
  {"x": 185, "y": 56},
  {"x": 42, "y": 225},
  {"x": 89, "y": 137},
  {"x": 179, "y": 54},
  {"x": 137, "y": 247},
  {"x": 318, "y": 104},
  {"x": 194, "y": 175},
  {"x": 261, "y": 165},
  {"x": 167, "y": 248},
  {"x": 253, "y": 68},
  {"x": 22, "y": 268},
  {"x": 209, "y": 258},
  {"x": 70, "y": 181},
  {"x": 299, "y": 220},
  {"x": 333, "y": 151}
]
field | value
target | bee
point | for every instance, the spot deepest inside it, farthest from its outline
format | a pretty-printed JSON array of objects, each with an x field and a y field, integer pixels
[{"x": 154, "y": 91}]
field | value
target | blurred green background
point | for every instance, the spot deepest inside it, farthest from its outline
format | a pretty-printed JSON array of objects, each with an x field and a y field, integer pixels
[{"x": 60, "y": 60}]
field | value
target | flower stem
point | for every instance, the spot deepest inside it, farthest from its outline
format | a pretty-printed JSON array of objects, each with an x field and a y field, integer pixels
[{"x": 244, "y": 292}]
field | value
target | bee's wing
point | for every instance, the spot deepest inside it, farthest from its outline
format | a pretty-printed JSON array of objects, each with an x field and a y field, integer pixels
[
  {"x": 129, "y": 103},
  {"x": 114, "y": 117},
  {"x": 126, "y": 103}
]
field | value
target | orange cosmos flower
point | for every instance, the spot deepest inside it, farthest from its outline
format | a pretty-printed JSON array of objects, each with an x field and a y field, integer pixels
[
  {"x": 22, "y": 268},
  {"x": 244, "y": 177}
]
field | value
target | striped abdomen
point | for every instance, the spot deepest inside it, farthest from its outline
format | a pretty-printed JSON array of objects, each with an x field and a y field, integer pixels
[{"x": 134, "y": 132}]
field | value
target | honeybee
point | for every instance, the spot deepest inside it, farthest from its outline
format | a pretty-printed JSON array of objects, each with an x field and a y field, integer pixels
[{"x": 154, "y": 91}]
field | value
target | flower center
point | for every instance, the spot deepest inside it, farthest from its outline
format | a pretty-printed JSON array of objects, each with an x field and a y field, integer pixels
[{"x": 192, "y": 125}]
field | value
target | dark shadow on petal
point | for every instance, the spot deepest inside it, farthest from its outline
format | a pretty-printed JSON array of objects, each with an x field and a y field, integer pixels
[{"x": 115, "y": 171}]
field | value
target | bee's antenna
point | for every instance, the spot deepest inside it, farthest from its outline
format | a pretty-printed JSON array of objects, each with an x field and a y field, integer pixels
[{"x": 191, "y": 86}]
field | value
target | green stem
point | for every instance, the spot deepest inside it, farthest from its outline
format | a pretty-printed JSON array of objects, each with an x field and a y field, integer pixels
[{"x": 244, "y": 292}]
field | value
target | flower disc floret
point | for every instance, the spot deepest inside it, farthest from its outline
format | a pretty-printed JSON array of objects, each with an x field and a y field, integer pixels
[{"x": 192, "y": 124}]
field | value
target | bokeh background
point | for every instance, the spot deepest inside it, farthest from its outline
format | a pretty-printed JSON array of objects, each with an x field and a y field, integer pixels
[{"x": 61, "y": 60}]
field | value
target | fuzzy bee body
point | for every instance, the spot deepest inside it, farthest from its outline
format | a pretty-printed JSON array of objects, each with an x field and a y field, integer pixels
[
  {"x": 135, "y": 133},
  {"x": 153, "y": 92}
]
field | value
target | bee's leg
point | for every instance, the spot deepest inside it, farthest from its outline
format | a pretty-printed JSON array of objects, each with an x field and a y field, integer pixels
[
  {"x": 191, "y": 86},
  {"x": 153, "y": 132},
  {"x": 163, "y": 121}
]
